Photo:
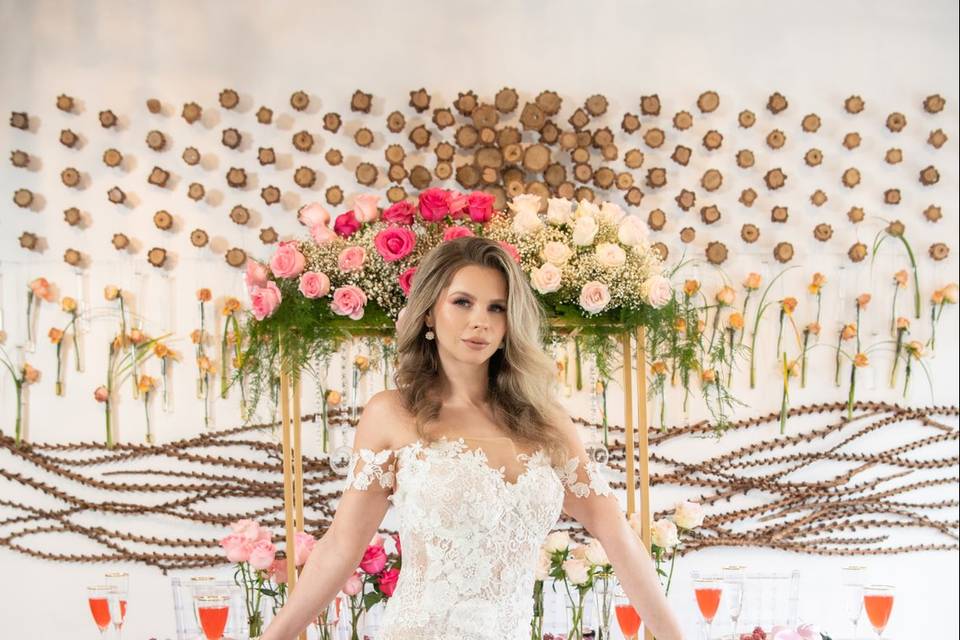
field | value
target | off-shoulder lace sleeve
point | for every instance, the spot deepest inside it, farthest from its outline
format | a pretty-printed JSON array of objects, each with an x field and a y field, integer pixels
[
  {"x": 367, "y": 467},
  {"x": 581, "y": 477}
]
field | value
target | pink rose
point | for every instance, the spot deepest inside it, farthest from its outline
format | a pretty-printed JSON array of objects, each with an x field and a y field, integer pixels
[
  {"x": 236, "y": 548},
  {"x": 376, "y": 540},
  {"x": 512, "y": 250},
  {"x": 433, "y": 204},
  {"x": 353, "y": 585},
  {"x": 396, "y": 541},
  {"x": 351, "y": 259},
  {"x": 365, "y": 207},
  {"x": 657, "y": 291},
  {"x": 250, "y": 530},
  {"x": 313, "y": 215},
  {"x": 349, "y": 301},
  {"x": 265, "y": 300},
  {"x": 303, "y": 544},
  {"x": 322, "y": 234},
  {"x": 314, "y": 284},
  {"x": 395, "y": 243},
  {"x": 100, "y": 394},
  {"x": 287, "y": 262},
  {"x": 278, "y": 571},
  {"x": 256, "y": 275},
  {"x": 480, "y": 206},
  {"x": 387, "y": 581},
  {"x": 399, "y": 213},
  {"x": 808, "y": 632},
  {"x": 453, "y": 232},
  {"x": 594, "y": 297},
  {"x": 456, "y": 203},
  {"x": 374, "y": 560},
  {"x": 406, "y": 280},
  {"x": 346, "y": 224},
  {"x": 262, "y": 555}
]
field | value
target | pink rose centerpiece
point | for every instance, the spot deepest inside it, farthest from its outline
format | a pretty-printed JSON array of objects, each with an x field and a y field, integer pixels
[{"x": 374, "y": 580}]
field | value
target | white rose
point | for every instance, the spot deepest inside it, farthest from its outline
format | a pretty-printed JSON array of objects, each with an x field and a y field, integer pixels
[
  {"x": 557, "y": 541},
  {"x": 596, "y": 555},
  {"x": 632, "y": 231},
  {"x": 558, "y": 211},
  {"x": 542, "y": 571},
  {"x": 526, "y": 222},
  {"x": 545, "y": 278},
  {"x": 556, "y": 253},
  {"x": 657, "y": 291},
  {"x": 594, "y": 296},
  {"x": 576, "y": 570},
  {"x": 664, "y": 534},
  {"x": 584, "y": 229},
  {"x": 610, "y": 255},
  {"x": 586, "y": 210},
  {"x": 611, "y": 212},
  {"x": 525, "y": 203},
  {"x": 688, "y": 515}
]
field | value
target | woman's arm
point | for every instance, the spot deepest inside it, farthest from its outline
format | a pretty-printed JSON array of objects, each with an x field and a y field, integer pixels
[
  {"x": 358, "y": 516},
  {"x": 599, "y": 513}
]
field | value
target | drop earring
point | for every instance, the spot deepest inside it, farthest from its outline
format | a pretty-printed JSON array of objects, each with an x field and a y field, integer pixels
[{"x": 429, "y": 335}]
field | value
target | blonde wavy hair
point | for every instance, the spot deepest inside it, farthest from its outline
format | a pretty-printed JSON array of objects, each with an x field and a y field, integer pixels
[{"x": 521, "y": 385}]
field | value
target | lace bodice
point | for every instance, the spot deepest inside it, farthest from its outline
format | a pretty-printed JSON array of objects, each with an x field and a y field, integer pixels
[{"x": 471, "y": 532}]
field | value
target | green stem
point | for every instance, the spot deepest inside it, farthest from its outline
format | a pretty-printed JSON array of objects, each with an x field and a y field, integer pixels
[
  {"x": 76, "y": 342},
  {"x": 893, "y": 310},
  {"x": 853, "y": 386},
  {"x": 146, "y": 415},
  {"x": 803, "y": 359},
  {"x": 577, "y": 364},
  {"x": 896, "y": 358},
  {"x": 673, "y": 560},
  {"x": 18, "y": 385},
  {"x": 224, "y": 354},
  {"x": 836, "y": 371},
  {"x": 746, "y": 299},
  {"x": 785, "y": 400},
  {"x": 906, "y": 376}
]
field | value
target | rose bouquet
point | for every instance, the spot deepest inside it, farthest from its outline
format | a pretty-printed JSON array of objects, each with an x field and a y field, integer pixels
[{"x": 373, "y": 582}]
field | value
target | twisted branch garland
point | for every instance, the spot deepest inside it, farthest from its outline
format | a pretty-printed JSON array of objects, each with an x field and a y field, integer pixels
[{"x": 832, "y": 516}]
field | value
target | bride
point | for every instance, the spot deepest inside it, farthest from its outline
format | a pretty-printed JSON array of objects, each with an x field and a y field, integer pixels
[{"x": 478, "y": 458}]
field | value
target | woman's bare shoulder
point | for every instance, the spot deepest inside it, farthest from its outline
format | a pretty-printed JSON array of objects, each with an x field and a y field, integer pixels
[{"x": 386, "y": 421}]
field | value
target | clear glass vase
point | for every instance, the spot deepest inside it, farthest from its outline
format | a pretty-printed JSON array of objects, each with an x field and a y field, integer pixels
[{"x": 604, "y": 587}]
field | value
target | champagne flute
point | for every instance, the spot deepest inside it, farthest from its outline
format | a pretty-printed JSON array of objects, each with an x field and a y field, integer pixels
[
  {"x": 98, "y": 598},
  {"x": 627, "y": 617},
  {"x": 852, "y": 579},
  {"x": 120, "y": 581},
  {"x": 878, "y": 602},
  {"x": 733, "y": 586},
  {"x": 708, "y": 592},
  {"x": 212, "y": 610}
]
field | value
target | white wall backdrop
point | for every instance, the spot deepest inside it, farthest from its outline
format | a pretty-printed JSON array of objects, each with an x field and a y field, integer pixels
[{"x": 115, "y": 55}]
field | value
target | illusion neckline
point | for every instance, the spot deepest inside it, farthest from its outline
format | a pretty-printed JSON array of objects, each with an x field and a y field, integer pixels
[{"x": 481, "y": 457}]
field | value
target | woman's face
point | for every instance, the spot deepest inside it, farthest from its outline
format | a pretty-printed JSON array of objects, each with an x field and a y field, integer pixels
[{"x": 469, "y": 317}]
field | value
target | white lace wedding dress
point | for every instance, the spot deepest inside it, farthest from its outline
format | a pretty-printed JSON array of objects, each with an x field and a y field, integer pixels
[{"x": 471, "y": 523}]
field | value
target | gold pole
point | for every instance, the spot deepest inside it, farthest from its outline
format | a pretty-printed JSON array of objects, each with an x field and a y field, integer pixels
[
  {"x": 643, "y": 430},
  {"x": 628, "y": 423},
  {"x": 297, "y": 456},
  {"x": 288, "y": 496}
]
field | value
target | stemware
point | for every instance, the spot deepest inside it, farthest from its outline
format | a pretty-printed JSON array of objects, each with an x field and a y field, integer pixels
[
  {"x": 98, "y": 598},
  {"x": 212, "y": 610},
  {"x": 852, "y": 580},
  {"x": 878, "y": 603},
  {"x": 120, "y": 581},
  {"x": 627, "y": 617},
  {"x": 708, "y": 592},
  {"x": 733, "y": 586}
]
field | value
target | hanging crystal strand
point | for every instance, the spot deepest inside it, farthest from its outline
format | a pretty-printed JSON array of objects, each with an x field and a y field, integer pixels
[
  {"x": 339, "y": 459},
  {"x": 601, "y": 451},
  {"x": 320, "y": 394}
]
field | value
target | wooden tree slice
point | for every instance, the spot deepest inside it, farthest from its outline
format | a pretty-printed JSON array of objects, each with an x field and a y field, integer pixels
[
  {"x": 29, "y": 241},
  {"x": 856, "y": 215},
  {"x": 190, "y": 155},
  {"x": 823, "y": 232},
  {"x": 579, "y": 119},
  {"x": 303, "y": 141},
  {"x": 536, "y": 157},
  {"x": 818, "y": 198},
  {"x": 264, "y": 115},
  {"x": 116, "y": 195},
  {"x": 568, "y": 140},
  {"x": 711, "y": 180},
  {"x": 395, "y": 154},
  {"x": 896, "y": 122},
  {"x": 361, "y": 101},
  {"x": 716, "y": 252},
  {"x": 444, "y": 151},
  {"x": 596, "y": 105},
  {"x": 747, "y": 118},
  {"x": 396, "y": 194},
  {"x": 532, "y": 117},
  {"x": 156, "y": 140},
  {"x": 891, "y": 196},
  {"x": 268, "y": 235},
  {"x": 158, "y": 177},
  {"x": 515, "y": 188},
  {"x": 420, "y": 100},
  {"x": 236, "y": 257},
  {"x": 420, "y": 177},
  {"x": 488, "y": 136},
  {"x": 20, "y": 120},
  {"x": 749, "y": 233},
  {"x": 603, "y": 178},
  {"x": 397, "y": 173},
  {"x": 549, "y": 102},
  {"x": 19, "y": 159},
  {"x": 499, "y": 196},
  {"x": 582, "y": 172},
  {"x": 420, "y": 137},
  {"x": 489, "y": 175},
  {"x": 656, "y": 177},
  {"x": 153, "y": 105},
  {"x": 443, "y": 118},
  {"x": 630, "y": 123},
  {"x": 584, "y": 193},
  {"x": 657, "y": 219},
  {"x": 851, "y": 178},
  {"x": 624, "y": 180},
  {"x": 633, "y": 159},
  {"x": 813, "y": 157},
  {"x": 468, "y": 176},
  {"x": 654, "y": 138},
  {"x": 68, "y": 138},
  {"x": 634, "y": 196},
  {"x": 777, "y": 103},
  {"x": 775, "y": 179},
  {"x": 489, "y": 157},
  {"x": 507, "y": 136},
  {"x": 712, "y": 140},
  {"x": 555, "y": 175},
  {"x": 779, "y": 214},
  {"x": 196, "y": 191},
  {"x": 710, "y": 214},
  {"x": 72, "y": 216},
  {"x": 549, "y": 133},
  {"x": 934, "y": 103},
  {"x": 73, "y": 257},
  {"x": 65, "y": 103},
  {"x": 745, "y": 158},
  {"x": 334, "y": 157},
  {"x": 163, "y": 220},
  {"x": 650, "y": 105},
  {"x": 70, "y": 177},
  {"x": 363, "y": 137},
  {"x": 853, "y": 104},
  {"x": 270, "y": 194},
  {"x": 512, "y": 154},
  {"x": 939, "y": 251},
  {"x": 506, "y": 100},
  {"x": 783, "y": 252},
  {"x": 893, "y": 156},
  {"x": 198, "y": 238},
  {"x": 466, "y": 103},
  {"x": 108, "y": 119},
  {"x": 686, "y": 199},
  {"x": 602, "y": 137},
  {"x": 305, "y": 177},
  {"x": 23, "y": 198},
  {"x": 937, "y": 138},
  {"x": 682, "y": 120},
  {"x": 191, "y": 112},
  {"x": 580, "y": 155},
  {"x": 299, "y": 100},
  {"x": 857, "y": 252},
  {"x": 157, "y": 257},
  {"x": 467, "y": 137},
  {"x": 776, "y": 139},
  {"x": 485, "y": 115},
  {"x": 443, "y": 170},
  {"x": 688, "y": 235},
  {"x": 366, "y": 174},
  {"x": 332, "y": 122},
  {"x": 810, "y": 123},
  {"x": 566, "y": 190},
  {"x": 266, "y": 155},
  {"x": 851, "y": 140},
  {"x": 334, "y": 195},
  {"x": 661, "y": 249},
  {"x": 231, "y": 138},
  {"x": 120, "y": 241},
  {"x": 929, "y": 175},
  {"x": 708, "y": 101},
  {"x": 539, "y": 189},
  {"x": 933, "y": 213}
]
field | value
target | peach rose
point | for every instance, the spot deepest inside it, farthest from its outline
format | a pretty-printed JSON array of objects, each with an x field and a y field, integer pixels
[
  {"x": 353, "y": 585},
  {"x": 349, "y": 301},
  {"x": 610, "y": 255},
  {"x": 753, "y": 281},
  {"x": 735, "y": 320},
  {"x": 42, "y": 289},
  {"x": 352, "y": 259},
  {"x": 556, "y": 253},
  {"x": 322, "y": 234},
  {"x": 657, "y": 291},
  {"x": 314, "y": 284},
  {"x": 726, "y": 296},
  {"x": 950, "y": 293},
  {"x": 262, "y": 555},
  {"x": 365, "y": 207},
  {"x": 688, "y": 515},
  {"x": 313, "y": 215},
  {"x": 265, "y": 300},
  {"x": 526, "y": 222},
  {"x": 100, "y": 394},
  {"x": 557, "y": 541},
  {"x": 236, "y": 548},
  {"x": 664, "y": 534},
  {"x": 577, "y": 571},
  {"x": 256, "y": 275},
  {"x": 287, "y": 262},
  {"x": 594, "y": 296},
  {"x": 546, "y": 278}
]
